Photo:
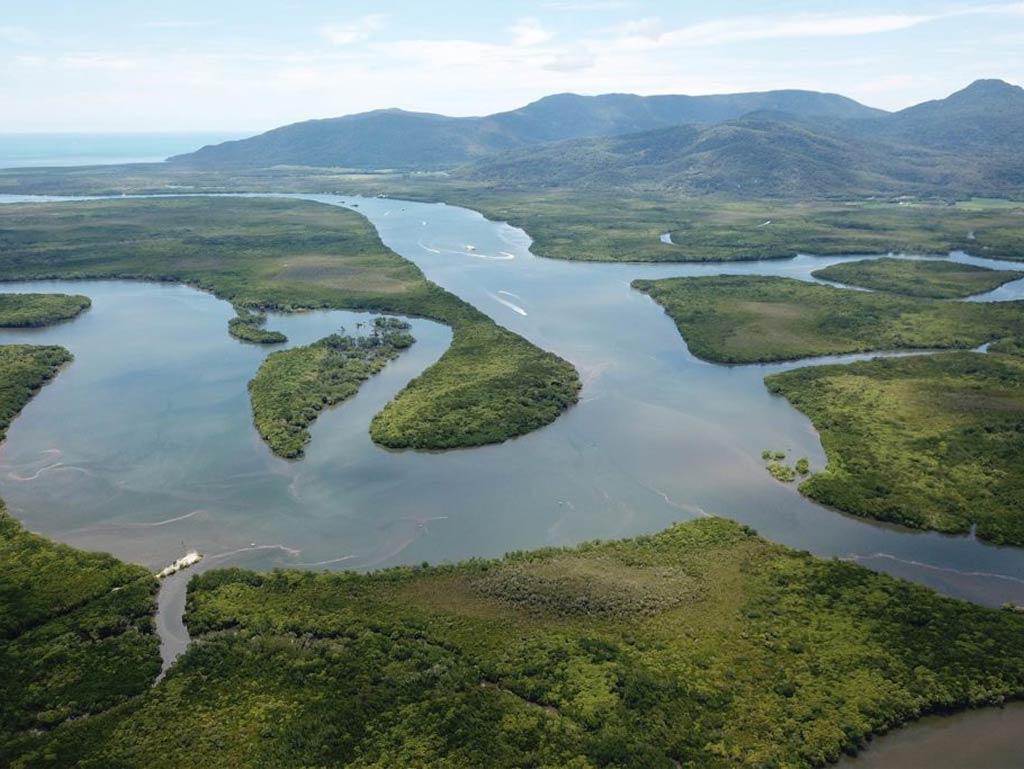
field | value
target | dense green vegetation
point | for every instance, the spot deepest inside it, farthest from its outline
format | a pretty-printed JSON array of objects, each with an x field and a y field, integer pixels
[
  {"x": 1009, "y": 346},
  {"x": 596, "y": 227},
  {"x": 601, "y": 226},
  {"x": 31, "y": 310},
  {"x": 781, "y": 472},
  {"x": 75, "y": 627},
  {"x": 490, "y": 385},
  {"x": 928, "y": 278},
  {"x": 932, "y": 441},
  {"x": 293, "y": 386},
  {"x": 702, "y": 646},
  {"x": 751, "y": 319},
  {"x": 248, "y": 326},
  {"x": 23, "y": 370}
]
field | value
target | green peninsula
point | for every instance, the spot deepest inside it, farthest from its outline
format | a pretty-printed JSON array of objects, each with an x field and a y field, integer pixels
[
  {"x": 248, "y": 326},
  {"x": 917, "y": 277},
  {"x": 293, "y": 386},
  {"x": 751, "y": 319},
  {"x": 489, "y": 386},
  {"x": 33, "y": 310},
  {"x": 927, "y": 441}
]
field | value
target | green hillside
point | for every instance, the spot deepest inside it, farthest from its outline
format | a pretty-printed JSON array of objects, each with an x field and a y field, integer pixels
[{"x": 394, "y": 138}]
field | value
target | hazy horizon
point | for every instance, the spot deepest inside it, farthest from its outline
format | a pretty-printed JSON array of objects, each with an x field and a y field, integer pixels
[{"x": 187, "y": 67}]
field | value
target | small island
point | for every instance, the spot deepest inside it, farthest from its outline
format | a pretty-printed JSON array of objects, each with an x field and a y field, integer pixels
[
  {"x": 918, "y": 277},
  {"x": 248, "y": 326},
  {"x": 753, "y": 319},
  {"x": 293, "y": 386},
  {"x": 35, "y": 310}
]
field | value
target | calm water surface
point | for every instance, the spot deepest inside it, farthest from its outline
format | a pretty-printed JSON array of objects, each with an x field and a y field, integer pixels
[
  {"x": 144, "y": 445},
  {"x": 19, "y": 150}
]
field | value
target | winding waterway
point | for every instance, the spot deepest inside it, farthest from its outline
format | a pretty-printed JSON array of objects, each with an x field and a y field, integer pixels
[{"x": 144, "y": 446}]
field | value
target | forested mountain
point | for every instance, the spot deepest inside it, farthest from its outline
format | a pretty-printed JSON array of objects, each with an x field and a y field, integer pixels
[
  {"x": 777, "y": 143},
  {"x": 986, "y": 115},
  {"x": 968, "y": 143},
  {"x": 395, "y": 138}
]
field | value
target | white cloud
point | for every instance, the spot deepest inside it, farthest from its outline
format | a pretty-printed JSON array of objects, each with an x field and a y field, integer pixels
[
  {"x": 354, "y": 31},
  {"x": 224, "y": 82},
  {"x": 573, "y": 60},
  {"x": 527, "y": 32},
  {"x": 647, "y": 33},
  {"x": 649, "y": 26}
]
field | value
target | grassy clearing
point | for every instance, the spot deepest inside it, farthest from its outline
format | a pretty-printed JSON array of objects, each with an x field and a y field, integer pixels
[
  {"x": 938, "y": 280},
  {"x": 931, "y": 442},
  {"x": 752, "y": 319},
  {"x": 490, "y": 385},
  {"x": 293, "y": 386},
  {"x": 700, "y": 646},
  {"x": 75, "y": 628},
  {"x": 33, "y": 310}
]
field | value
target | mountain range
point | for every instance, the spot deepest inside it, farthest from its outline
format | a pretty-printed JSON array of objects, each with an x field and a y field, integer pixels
[
  {"x": 775, "y": 143},
  {"x": 394, "y": 138}
]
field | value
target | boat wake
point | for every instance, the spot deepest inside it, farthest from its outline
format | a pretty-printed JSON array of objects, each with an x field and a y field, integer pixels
[
  {"x": 511, "y": 305},
  {"x": 933, "y": 567}
]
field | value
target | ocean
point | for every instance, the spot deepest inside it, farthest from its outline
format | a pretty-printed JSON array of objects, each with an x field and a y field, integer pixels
[{"x": 84, "y": 149}]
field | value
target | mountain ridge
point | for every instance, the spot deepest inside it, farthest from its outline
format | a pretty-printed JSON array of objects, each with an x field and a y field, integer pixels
[
  {"x": 400, "y": 139},
  {"x": 969, "y": 143},
  {"x": 786, "y": 143}
]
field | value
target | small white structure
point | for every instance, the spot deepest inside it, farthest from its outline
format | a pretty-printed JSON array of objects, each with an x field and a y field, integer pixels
[{"x": 189, "y": 559}]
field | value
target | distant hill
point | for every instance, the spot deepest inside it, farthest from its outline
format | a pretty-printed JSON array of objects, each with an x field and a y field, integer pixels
[
  {"x": 987, "y": 114},
  {"x": 776, "y": 143},
  {"x": 408, "y": 140},
  {"x": 969, "y": 143},
  {"x": 763, "y": 153}
]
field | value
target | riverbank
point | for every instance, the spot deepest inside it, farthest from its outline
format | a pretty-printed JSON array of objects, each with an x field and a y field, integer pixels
[
  {"x": 490, "y": 386},
  {"x": 625, "y": 439},
  {"x": 702, "y": 644}
]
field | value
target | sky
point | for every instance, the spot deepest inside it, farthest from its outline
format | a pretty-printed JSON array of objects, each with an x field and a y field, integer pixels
[{"x": 246, "y": 66}]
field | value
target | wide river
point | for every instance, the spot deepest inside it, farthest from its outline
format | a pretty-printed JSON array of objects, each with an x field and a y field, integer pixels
[{"x": 145, "y": 447}]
